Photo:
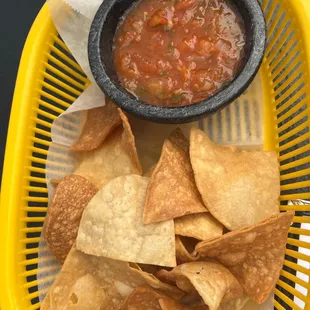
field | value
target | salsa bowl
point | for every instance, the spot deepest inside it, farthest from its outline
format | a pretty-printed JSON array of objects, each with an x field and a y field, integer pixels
[{"x": 100, "y": 51}]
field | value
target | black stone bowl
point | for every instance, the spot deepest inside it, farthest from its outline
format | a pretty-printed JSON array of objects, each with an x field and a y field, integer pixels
[{"x": 101, "y": 62}]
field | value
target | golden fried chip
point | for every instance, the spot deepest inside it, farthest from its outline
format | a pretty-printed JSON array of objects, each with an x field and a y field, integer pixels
[
  {"x": 202, "y": 226},
  {"x": 240, "y": 189},
  {"x": 112, "y": 226},
  {"x": 117, "y": 156},
  {"x": 172, "y": 191},
  {"x": 72, "y": 195},
  {"x": 143, "y": 298},
  {"x": 212, "y": 281},
  {"x": 116, "y": 280},
  {"x": 254, "y": 255},
  {"x": 170, "y": 304},
  {"x": 153, "y": 281},
  {"x": 182, "y": 252},
  {"x": 87, "y": 293},
  {"x": 100, "y": 122}
]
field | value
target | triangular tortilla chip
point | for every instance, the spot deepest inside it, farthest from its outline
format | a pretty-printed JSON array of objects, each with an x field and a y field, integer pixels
[
  {"x": 115, "y": 278},
  {"x": 71, "y": 197},
  {"x": 143, "y": 298},
  {"x": 115, "y": 157},
  {"x": 100, "y": 122},
  {"x": 172, "y": 191},
  {"x": 182, "y": 253},
  {"x": 170, "y": 304},
  {"x": 213, "y": 282},
  {"x": 240, "y": 189},
  {"x": 254, "y": 255},
  {"x": 112, "y": 226},
  {"x": 202, "y": 226}
]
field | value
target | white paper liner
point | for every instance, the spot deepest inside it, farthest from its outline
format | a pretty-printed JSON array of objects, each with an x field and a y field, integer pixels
[{"x": 73, "y": 19}]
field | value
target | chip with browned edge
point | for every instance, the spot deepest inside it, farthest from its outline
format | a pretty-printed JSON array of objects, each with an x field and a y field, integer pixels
[
  {"x": 172, "y": 191},
  {"x": 202, "y": 226},
  {"x": 182, "y": 251},
  {"x": 72, "y": 195},
  {"x": 115, "y": 157},
  {"x": 254, "y": 255},
  {"x": 240, "y": 189},
  {"x": 100, "y": 122},
  {"x": 212, "y": 281},
  {"x": 107, "y": 283},
  {"x": 111, "y": 226}
]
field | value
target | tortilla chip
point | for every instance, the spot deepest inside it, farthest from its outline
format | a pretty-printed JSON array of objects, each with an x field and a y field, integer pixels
[
  {"x": 116, "y": 279},
  {"x": 182, "y": 253},
  {"x": 154, "y": 282},
  {"x": 143, "y": 298},
  {"x": 202, "y": 226},
  {"x": 112, "y": 226},
  {"x": 254, "y": 255},
  {"x": 72, "y": 195},
  {"x": 100, "y": 122},
  {"x": 87, "y": 293},
  {"x": 239, "y": 188},
  {"x": 117, "y": 156},
  {"x": 213, "y": 282},
  {"x": 170, "y": 304},
  {"x": 172, "y": 191}
]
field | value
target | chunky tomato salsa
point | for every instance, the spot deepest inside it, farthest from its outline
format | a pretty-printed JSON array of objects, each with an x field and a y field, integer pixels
[{"x": 178, "y": 52}]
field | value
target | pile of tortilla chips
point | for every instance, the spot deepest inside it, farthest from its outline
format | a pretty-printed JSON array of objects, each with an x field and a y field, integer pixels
[{"x": 200, "y": 230}]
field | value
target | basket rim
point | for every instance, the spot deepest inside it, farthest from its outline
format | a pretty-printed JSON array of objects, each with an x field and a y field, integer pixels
[
  {"x": 20, "y": 120},
  {"x": 11, "y": 296}
]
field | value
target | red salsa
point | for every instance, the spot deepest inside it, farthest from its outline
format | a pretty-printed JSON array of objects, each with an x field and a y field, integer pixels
[{"x": 178, "y": 52}]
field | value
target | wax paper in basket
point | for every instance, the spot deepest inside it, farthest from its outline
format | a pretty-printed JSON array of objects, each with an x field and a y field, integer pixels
[{"x": 239, "y": 124}]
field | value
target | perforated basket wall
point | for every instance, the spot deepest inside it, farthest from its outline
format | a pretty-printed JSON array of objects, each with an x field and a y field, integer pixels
[{"x": 50, "y": 80}]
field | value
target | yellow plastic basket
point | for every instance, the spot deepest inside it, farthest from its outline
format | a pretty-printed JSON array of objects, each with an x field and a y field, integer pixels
[{"x": 49, "y": 80}]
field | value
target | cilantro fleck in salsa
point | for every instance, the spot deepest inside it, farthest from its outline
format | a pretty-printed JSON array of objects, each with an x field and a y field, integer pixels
[{"x": 178, "y": 52}]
